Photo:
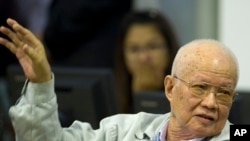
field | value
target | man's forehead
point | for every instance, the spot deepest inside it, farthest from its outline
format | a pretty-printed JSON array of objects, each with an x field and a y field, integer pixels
[
  {"x": 216, "y": 78},
  {"x": 206, "y": 64},
  {"x": 205, "y": 55}
]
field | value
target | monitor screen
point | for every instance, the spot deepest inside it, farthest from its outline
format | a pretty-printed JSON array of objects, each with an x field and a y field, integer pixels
[
  {"x": 85, "y": 94},
  {"x": 151, "y": 102},
  {"x": 239, "y": 113}
]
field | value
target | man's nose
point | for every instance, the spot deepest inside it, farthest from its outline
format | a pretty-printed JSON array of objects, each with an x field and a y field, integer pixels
[{"x": 210, "y": 101}]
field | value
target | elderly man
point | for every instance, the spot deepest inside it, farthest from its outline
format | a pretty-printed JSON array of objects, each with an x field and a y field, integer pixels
[{"x": 200, "y": 89}]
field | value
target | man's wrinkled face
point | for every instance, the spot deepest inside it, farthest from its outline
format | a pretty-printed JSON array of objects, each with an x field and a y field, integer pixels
[
  {"x": 199, "y": 95},
  {"x": 202, "y": 115}
]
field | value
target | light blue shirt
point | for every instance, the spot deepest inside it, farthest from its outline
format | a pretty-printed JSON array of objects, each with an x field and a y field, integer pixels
[{"x": 163, "y": 131}]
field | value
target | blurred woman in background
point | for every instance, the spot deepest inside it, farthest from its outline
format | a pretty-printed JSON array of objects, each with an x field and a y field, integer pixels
[{"x": 146, "y": 47}]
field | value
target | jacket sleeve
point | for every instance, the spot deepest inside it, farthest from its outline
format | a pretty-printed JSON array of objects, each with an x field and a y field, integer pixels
[{"x": 35, "y": 118}]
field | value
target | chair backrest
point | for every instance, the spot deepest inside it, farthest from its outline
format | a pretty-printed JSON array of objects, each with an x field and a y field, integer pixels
[{"x": 240, "y": 111}]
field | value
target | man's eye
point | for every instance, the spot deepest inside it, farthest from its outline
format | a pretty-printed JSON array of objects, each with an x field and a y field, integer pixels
[
  {"x": 224, "y": 92},
  {"x": 199, "y": 88}
]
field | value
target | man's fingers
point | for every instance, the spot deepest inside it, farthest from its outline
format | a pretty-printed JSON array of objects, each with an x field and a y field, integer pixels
[
  {"x": 8, "y": 45},
  {"x": 12, "y": 36},
  {"x": 19, "y": 38},
  {"x": 23, "y": 33},
  {"x": 11, "y": 22}
]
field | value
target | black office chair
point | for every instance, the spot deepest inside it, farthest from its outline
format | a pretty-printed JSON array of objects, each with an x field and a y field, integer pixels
[{"x": 240, "y": 111}]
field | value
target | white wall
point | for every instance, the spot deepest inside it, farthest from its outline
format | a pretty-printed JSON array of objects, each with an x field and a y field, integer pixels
[
  {"x": 234, "y": 31},
  {"x": 226, "y": 20},
  {"x": 179, "y": 12}
]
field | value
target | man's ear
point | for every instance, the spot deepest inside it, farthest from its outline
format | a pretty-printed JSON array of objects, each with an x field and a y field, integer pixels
[{"x": 169, "y": 84}]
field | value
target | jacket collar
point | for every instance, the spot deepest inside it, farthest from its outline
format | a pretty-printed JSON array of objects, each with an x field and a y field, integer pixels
[{"x": 151, "y": 131}]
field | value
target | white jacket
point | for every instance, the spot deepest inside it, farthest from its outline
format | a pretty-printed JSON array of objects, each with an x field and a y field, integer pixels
[{"x": 35, "y": 118}]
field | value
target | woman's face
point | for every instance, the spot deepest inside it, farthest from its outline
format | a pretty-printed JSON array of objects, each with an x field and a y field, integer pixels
[{"x": 146, "y": 52}]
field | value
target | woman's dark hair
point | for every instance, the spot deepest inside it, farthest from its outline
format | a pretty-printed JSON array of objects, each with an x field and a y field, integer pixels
[{"x": 123, "y": 77}]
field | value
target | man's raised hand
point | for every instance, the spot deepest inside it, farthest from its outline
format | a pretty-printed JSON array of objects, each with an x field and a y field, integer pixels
[{"x": 28, "y": 49}]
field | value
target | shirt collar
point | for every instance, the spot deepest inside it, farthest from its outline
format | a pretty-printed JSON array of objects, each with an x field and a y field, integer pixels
[{"x": 163, "y": 131}]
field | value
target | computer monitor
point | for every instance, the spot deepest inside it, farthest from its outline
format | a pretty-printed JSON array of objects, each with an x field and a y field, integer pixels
[
  {"x": 239, "y": 112},
  {"x": 85, "y": 94},
  {"x": 151, "y": 102}
]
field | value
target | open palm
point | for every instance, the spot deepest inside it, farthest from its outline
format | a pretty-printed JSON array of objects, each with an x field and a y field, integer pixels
[{"x": 28, "y": 49}]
